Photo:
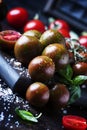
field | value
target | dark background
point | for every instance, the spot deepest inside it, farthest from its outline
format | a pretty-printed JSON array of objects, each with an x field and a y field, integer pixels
[
  {"x": 33, "y": 6},
  {"x": 50, "y": 120},
  {"x": 74, "y": 12}
]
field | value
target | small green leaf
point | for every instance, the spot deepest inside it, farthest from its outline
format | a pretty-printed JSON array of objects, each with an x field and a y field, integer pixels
[
  {"x": 26, "y": 115},
  {"x": 78, "y": 80},
  {"x": 67, "y": 73},
  {"x": 75, "y": 94},
  {"x": 63, "y": 80}
]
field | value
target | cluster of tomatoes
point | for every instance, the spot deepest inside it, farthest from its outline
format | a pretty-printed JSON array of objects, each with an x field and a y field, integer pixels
[
  {"x": 43, "y": 59},
  {"x": 44, "y": 51},
  {"x": 18, "y": 17},
  {"x": 44, "y": 54}
]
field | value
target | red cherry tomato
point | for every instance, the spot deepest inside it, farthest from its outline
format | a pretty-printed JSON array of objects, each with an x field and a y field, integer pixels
[
  {"x": 64, "y": 32},
  {"x": 35, "y": 25},
  {"x": 59, "y": 24},
  {"x": 83, "y": 41},
  {"x": 17, "y": 17},
  {"x": 72, "y": 122}
]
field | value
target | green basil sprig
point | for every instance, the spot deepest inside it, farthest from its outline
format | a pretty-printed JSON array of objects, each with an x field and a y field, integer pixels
[
  {"x": 26, "y": 115},
  {"x": 73, "y": 83}
]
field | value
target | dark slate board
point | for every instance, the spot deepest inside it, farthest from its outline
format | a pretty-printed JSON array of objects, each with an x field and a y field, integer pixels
[{"x": 72, "y": 11}]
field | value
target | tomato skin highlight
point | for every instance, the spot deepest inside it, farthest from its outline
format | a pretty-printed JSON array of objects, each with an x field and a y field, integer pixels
[
  {"x": 59, "y": 24},
  {"x": 80, "y": 68},
  {"x": 17, "y": 17},
  {"x": 35, "y": 24},
  {"x": 64, "y": 32},
  {"x": 73, "y": 122},
  {"x": 83, "y": 41}
]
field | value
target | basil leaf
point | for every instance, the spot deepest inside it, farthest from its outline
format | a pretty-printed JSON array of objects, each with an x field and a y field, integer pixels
[
  {"x": 75, "y": 94},
  {"x": 67, "y": 72},
  {"x": 62, "y": 80},
  {"x": 26, "y": 115},
  {"x": 78, "y": 80}
]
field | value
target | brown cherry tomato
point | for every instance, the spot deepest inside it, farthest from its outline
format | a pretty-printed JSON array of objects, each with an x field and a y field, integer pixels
[
  {"x": 58, "y": 53},
  {"x": 38, "y": 94},
  {"x": 51, "y": 36},
  {"x": 80, "y": 68},
  {"x": 83, "y": 41},
  {"x": 41, "y": 68},
  {"x": 26, "y": 48},
  {"x": 59, "y": 96}
]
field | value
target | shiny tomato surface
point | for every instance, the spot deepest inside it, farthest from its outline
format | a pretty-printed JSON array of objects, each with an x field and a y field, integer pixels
[
  {"x": 80, "y": 68},
  {"x": 64, "y": 32},
  {"x": 73, "y": 122},
  {"x": 17, "y": 17},
  {"x": 35, "y": 25},
  {"x": 83, "y": 41},
  {"x": 59, "y": 24}
]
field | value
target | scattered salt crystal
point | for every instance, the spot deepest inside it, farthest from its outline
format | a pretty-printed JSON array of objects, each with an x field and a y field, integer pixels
[
  {"x": 12, "y": 100},
  {"x": 7, "y": 59},
  {"x": 1, "y": 93},
  {"x": 11, "y": 127},
  {"x": 26, "y": 106},
  {"x": 5, "y": 108},
  {"x": 12, "y": 60},
  {"x": 7, "y": 124},
  {"x": 9, "y": 119},
  {"x": 64, "y": 111},
  {"x": 17, "y": 64},
  {"x": 2, "y": 116},
  {"x": 20, "y": 73},
  {"x": 16, "y": 123},
  {"x": 83, "y": 86}
]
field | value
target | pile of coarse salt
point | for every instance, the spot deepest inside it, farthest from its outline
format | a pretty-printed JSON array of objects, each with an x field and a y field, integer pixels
[
  {"x": 10, "y": 101},
  {"x": 8, "y": 117}
]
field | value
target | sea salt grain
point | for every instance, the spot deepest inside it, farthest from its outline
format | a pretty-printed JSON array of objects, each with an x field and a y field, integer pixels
[
  {"x": 17, "y": 124},
  {"x": 64, "y": 111},
  {"x": 83, "y": 86},
  {"x": 2, "y": 116},
  {"x": 11, "y": 127},
  {"x": 7, "y": 124},
  {"x": 11, "y": 101}
]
